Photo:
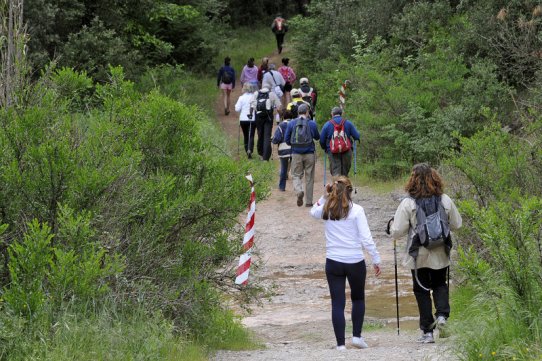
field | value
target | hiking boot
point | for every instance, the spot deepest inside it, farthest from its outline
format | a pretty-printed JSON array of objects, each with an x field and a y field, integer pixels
[
  {"x": 441, "y": 327},
  {"x": 359, "y": 342},
  {"x": 426, "y": 338},
  {"x": 300, "y": 199},
  {"x": 341, "y": 348}
]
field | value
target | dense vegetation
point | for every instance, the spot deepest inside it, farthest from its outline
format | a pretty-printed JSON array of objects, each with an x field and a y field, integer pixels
[{"x": 455, "y": 83}]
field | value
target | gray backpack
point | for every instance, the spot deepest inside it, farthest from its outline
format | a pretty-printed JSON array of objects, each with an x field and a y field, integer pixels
[{"x": 301, "y": 136}]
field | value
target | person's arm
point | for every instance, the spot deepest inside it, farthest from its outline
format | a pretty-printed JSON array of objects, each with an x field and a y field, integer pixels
[
  {"x": 275, "y": 101},
  {"x": 314, "y": 130},
  {"x": 243, "y": 77},
  {"x": 401, "y": 219},
  {"x": 288, "y": 132},
  {"x": 323, "y": 137},
  {"x": 293, "y": 77},
  {"x": 318, "y": 208},
  {"x": 239, "y": 104},
  {"x": 219, "y": 76},
  {"x": 277, "y": 137},
  {"x": 454, "y": 218},
  {"x": 353, "y": 131},
  {"x": 366, "y": 237},
  {"x": 233, "y": 81},
  {"x": 314, "y": 97}
]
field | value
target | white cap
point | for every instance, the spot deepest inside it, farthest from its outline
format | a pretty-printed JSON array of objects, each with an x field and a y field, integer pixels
[
  {"x": 295, "y": 92},
  {"x": 303, "y": 81}
]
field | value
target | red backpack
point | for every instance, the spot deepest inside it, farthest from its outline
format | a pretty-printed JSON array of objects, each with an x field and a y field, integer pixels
[{"x": 339, "y": 142}]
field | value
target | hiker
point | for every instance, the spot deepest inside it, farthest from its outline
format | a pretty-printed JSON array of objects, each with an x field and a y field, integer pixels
[
  {"x": 246, "y": 117},
  {"x": 264, "y": 102},
  {"x": 279, "y": 28},
  {"x": 337, "y": 140},
  {"x": 347, "y": 236},
  {"x": 273, "y": 80},
  {"x": 289, "y": 77},
  {"x": 285, "y": 151},
  {"x": 262, "y": 69},
  {"x": 308, "y": 93},
  {"x": 226, "y": 81},
  {"x": 296, "y": 102},
  {"x": 299, "y": 135},
  {"x": 431, "y": 266},
  {"x": 249, "y": 74}
]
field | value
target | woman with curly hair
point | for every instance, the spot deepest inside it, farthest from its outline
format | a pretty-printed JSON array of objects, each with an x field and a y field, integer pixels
[
  {"x": 429, "y": 266},
  {"x": 347, "y": 235}
]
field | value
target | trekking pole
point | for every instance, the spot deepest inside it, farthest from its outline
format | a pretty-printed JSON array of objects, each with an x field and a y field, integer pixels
[
  {"x": 238, "y": 139},
  {"x": 395, "y": 266},
  {"x": 325, "y": 156},
  {"x": 355, "y": 158}
]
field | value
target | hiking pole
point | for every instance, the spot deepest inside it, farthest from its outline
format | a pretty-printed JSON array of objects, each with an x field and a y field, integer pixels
[
  {"x": 325, "y": 156},
  {"x": 395, "y": 266},
  {"x": 238, "y": 139},
  {"x": 355, "y": 158}
]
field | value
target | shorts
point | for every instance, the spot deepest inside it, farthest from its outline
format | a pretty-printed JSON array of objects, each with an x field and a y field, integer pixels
[
  {"x": 287, "y": 86},
  {"x": 226, "y": 86}
]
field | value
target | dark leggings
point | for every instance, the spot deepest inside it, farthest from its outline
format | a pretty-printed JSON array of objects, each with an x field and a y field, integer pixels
[
  {"x": 249, "y": 129},
  {"x": 337, "y": 273},
  {"x": 435, "y": 280}
]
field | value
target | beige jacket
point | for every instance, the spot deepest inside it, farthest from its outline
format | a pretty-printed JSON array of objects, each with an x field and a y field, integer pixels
[{"x": 404, "y": 223}]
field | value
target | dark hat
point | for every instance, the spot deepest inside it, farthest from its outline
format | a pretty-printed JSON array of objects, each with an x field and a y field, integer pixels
[
  {"x": 336, "y": 111},
  {"x": 302, "y": 109}
]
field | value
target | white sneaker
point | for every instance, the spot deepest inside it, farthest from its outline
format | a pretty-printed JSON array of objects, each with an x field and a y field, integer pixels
[
  {"x": 426, "y": 338},
  {"x": 440, "y": 322},
  {"x": 359, "y": 342},
  {"x": 341, "y": 348}
]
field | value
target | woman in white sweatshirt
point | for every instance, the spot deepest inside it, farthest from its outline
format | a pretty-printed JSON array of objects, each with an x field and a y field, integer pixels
[
  {"x": 347, "y": 235},
  {"x": 246, "y": 118}
]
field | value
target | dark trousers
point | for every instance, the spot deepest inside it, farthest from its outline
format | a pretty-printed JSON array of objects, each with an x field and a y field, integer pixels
[
  {"x": 339, "y": 164},
  {"x": 248, "y": 129},
  {"x": 284, "y": 163},
  {"x": 337, "y": 273},
  {"x": 280, "y": 41},
  {"x": 435, "y": 280},
  {"x": 264, "y": 126}
]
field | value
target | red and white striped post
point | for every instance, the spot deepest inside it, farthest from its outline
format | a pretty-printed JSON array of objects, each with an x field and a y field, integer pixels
[
  {"x": 342, "y": 94},
  {"x": 248, "y": 241}
]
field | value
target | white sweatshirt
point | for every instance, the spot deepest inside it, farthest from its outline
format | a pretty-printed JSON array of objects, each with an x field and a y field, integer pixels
[
  {"x": 243, "y": 107},
  {"x": 346, "y": 238}
]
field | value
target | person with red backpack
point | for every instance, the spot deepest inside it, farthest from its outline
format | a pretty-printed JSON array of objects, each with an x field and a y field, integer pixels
[
  {"x": 337, "y": 140},
  {"x": 289, "y": 77}
]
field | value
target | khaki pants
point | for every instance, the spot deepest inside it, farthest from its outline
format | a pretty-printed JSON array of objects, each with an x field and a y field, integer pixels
[{"x": 303, "y": 165}]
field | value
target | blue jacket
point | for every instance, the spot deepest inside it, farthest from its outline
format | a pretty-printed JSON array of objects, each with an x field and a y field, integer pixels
[
  {"x": 278, "y": 138},
  {"x": 315, "y": 136},
  {"x": 221, "y": 71},
  {"x": 328, "y": 128}
]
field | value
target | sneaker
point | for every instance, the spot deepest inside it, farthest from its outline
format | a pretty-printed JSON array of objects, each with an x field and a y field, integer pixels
[
  {"x": 308, "y": 205},
  {"x": 249, "y": 154},
  {"x": 359, "y": 342},
  {"x": 441, "y": 327},
  {"x": 426, "y": 338},
  {"x": 300, "y": 199},
  {"x": 341, "y": 348}
]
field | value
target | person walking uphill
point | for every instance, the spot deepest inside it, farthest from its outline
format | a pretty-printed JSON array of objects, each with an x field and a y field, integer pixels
[
  {"x": 347, "y": 235},
  {"x": 246, "y": 117},
  {"x": 299, "y": 135},
  {"x": 285, "y": 151},
  {"x": 226, "y": 81},
  {"x": 279, "y": 28},
  {"x": 429, "y": 264},
  {"x": 264, "y": 102},
  {"x": 337, "y": 139}
]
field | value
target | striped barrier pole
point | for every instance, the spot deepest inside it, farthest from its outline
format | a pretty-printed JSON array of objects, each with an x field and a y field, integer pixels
[
  {"x": 248, "y": 240},
  {"x": 342, "y": 94}
]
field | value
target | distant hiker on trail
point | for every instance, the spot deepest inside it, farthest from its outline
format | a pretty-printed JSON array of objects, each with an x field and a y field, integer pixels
[
  {"x": 249, "y": 74},
  {"x": 279, "y": 28},
  {"x": 337, "y": 140},
  {"x": 296, "y": 102},
  {"x": 226, "y": 81},
  {"x": 429, "y": 264},
  {"x": 308, "y": 93},
  {"x": 300, "y": 134},
  {"x": 289, "y": 77},
  {"x": 246, "y": 117},
  {"x": 285, "y": 151},
  {"x": 347, "y": 236},
  {"x": 264, "y": 102},
  {"x": 262, "y": 69},
  {"x": 274, "y": 81}
]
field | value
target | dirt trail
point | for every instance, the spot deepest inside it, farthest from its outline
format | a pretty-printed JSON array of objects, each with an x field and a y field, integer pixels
[{"x": 295, "y": 324}]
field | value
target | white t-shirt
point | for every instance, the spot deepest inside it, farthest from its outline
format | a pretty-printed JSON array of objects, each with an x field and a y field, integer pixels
[
  {"x": 347, "y": 238},
  {"x": 243, "y": 107}
]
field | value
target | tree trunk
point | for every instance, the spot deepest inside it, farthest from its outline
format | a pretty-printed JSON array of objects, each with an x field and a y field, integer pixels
[{"x": 12, "y": 45}]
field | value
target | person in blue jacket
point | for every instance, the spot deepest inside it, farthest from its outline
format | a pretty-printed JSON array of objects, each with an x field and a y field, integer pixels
[
  {"x": 340, "y": 163},
  {"x": 285, "y": 151},
  {"x": 303, "y": 157},
  {"x": 225, "y": 80}
]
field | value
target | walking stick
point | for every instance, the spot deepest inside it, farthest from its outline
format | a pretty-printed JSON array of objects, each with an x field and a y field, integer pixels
[
  {"x": 249, "y": 151},
  {"x": 355, "y": 158},
  {"x": 238, "y": 139},
  {"x": 325, "y": 156},
  {"x": 395, "y": 266}
]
